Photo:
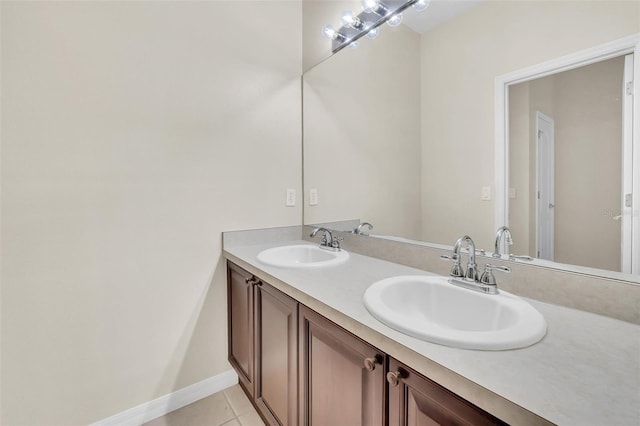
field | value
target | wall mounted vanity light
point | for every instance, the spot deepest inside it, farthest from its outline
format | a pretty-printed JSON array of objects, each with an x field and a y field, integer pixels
[{"x": 366, "y": 23}]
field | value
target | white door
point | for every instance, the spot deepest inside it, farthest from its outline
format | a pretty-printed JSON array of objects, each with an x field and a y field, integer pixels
[{"x": 545, "y": 205}]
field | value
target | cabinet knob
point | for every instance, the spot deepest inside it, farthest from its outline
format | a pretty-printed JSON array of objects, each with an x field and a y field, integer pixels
[
  {"x": 394, "y": 378},
  {"x": 370, "y": 363},
  {"x": 253, "y": 281}
]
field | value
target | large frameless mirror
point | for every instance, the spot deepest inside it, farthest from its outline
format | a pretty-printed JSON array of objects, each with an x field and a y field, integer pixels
[{"x": 401, "y": 132}]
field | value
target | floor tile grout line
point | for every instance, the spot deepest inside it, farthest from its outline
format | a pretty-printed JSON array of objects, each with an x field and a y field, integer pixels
[{"x": 233, "y": 409}]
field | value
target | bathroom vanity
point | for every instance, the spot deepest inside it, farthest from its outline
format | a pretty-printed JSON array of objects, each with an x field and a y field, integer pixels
[
  {"x": 308, "y": 352},
  {"x": 301, "y": 368}
]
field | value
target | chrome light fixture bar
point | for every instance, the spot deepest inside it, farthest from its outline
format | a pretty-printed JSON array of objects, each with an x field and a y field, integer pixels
[{"x": 367, "y": 23}]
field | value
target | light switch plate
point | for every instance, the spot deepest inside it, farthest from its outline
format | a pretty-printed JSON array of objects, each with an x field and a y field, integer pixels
[
  {"x": 291, "y": 197},
  {"x": 486, "y": 193},
  {"x": 313, "y": 197}
]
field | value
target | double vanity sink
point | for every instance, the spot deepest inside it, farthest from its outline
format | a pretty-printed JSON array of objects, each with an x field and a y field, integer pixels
[
  {"x": 429, "y": 307},
  {"x": 583, "y": 370}
]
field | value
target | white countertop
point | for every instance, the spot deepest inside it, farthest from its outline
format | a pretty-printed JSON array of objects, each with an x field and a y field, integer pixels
[{"x": 585, "y": 371}]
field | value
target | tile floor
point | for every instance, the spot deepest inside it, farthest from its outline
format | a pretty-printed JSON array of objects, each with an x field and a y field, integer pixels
[{"x": 230, "y": 407}]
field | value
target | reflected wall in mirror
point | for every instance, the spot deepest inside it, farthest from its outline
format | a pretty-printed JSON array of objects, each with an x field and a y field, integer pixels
[
  {"x": 420, "y": 174},
  {"x": 362, "y": 138},
  {"x": 566, "y": 165}
]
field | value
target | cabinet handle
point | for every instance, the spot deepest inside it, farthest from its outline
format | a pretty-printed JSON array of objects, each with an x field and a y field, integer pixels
[
  {"x": 370, "y": 363},
  {"x": 394, "y": 378}
]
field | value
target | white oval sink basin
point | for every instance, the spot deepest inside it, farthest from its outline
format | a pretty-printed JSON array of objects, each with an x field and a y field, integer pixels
[
  {"x": 302, "y": 256},
  {"x": 430, "y": 308}
]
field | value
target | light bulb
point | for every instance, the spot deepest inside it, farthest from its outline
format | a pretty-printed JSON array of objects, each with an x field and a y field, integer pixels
[
  {"x": 421, "y": 5},
  {"x": 369, "y": 5},
  {"x": 330, "y": 33},
  {"x": 395, "y": 20},
  {"x": 373, "y": 33},
  {"x": 374, "y": 6},
  {"x": 353, "y": 45},
  {"x": 350, "y": 20}
]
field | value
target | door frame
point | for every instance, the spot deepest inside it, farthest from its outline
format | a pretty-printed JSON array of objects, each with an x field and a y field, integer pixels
[
  {"x": 630, "y": 258},
  {"x": 616, "y": 48}
]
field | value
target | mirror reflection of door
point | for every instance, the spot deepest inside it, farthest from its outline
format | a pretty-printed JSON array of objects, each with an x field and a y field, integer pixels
[
  {"x": 545, "y": 197},
  {"x": 567, "y": 166}
]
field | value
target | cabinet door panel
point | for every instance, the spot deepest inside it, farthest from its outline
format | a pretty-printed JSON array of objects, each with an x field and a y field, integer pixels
[
  {"x": 418, "y": 401},
  {"x": 240, "y": 318},
  {"x": 338, "y": 388},
  {"x": 276, "y": 367}
]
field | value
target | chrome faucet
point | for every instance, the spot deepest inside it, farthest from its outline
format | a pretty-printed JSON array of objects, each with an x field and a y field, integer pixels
[
  {"x": 456, "y": 271},
  {"x": 502, "y": 231},
  {"x": 469, "y": 279},
  {"x": 472, "y": 269},
  {"x": 358, "y": 229},
  {"x": 329, "y": 242}
]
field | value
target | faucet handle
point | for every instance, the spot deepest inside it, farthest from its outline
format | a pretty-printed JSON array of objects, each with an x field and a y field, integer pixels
[
  {"x": 487, "y": 276},
  {"x": 453, "y": 258},
  {"x": 456, "y": 269},
  {"x": 520, "y": 257},
  {"x": 335, "y": 242}
]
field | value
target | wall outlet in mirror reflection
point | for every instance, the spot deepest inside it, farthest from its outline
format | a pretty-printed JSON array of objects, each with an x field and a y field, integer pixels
[
  {"x": 313, "y": 197},
  {"x": 291, "y": 197}
]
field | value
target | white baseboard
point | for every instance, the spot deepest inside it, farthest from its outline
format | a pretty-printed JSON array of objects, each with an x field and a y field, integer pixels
[{"x": 165, "y": 404}]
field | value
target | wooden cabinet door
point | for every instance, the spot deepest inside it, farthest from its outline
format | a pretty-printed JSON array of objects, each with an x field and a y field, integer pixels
[
  {"x": 240, "y": 311},
  {"x": 415, "y": 400},
  {"x": 276, "y": 386},
  {"x": 342, "y": 378}
]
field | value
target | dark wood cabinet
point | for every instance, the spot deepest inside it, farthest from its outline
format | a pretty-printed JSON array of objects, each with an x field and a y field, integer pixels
[
  {"x": 263, "y": 345},
  {"x": 240, "y": 317},
  {"x": 342, "y": 378},
  {"x": 300, "y": 368},
  {"x": 415, "y": 400},
  {"x": 276, "y": 384}
]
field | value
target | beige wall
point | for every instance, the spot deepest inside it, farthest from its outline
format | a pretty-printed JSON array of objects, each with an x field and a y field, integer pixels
[
  {"x": 524, "y": 100},
  {"x": 133, "y": 133},
  {"x": 362, "y": 138},
  {"x": 519, "y": 172},
  {"x": 460, "y": 61}
]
